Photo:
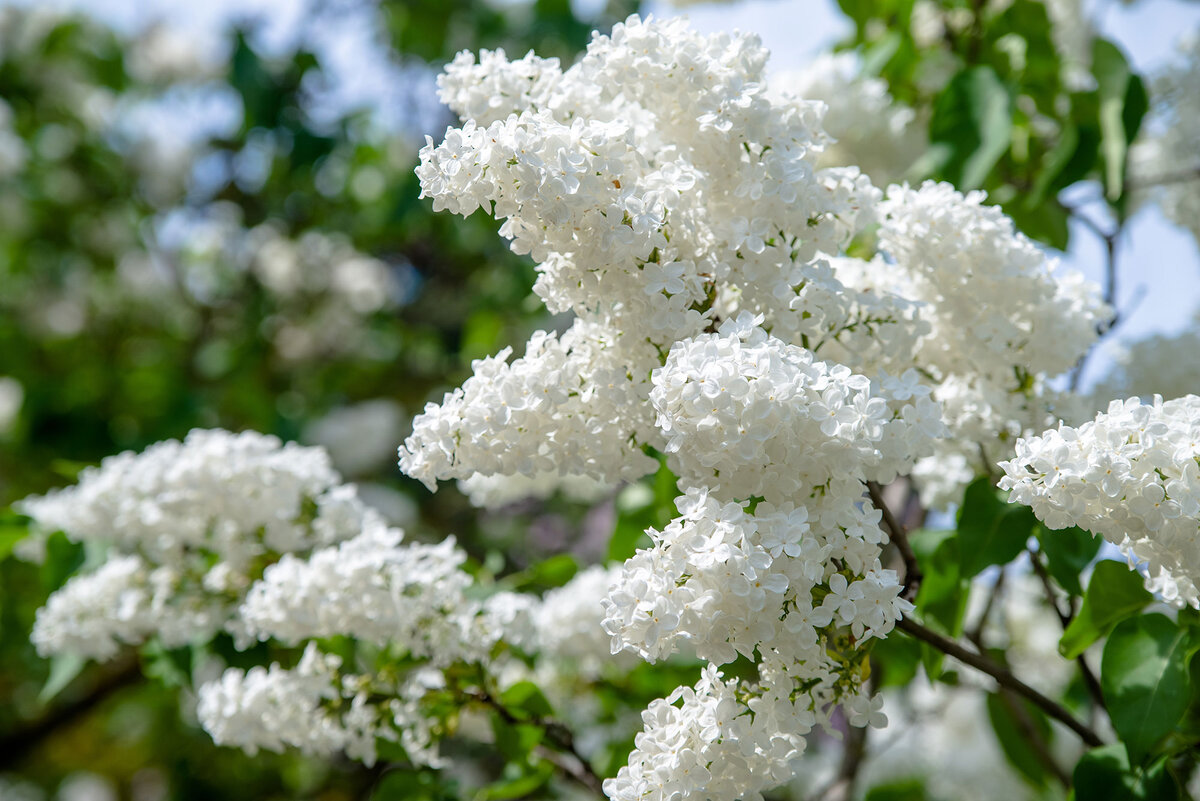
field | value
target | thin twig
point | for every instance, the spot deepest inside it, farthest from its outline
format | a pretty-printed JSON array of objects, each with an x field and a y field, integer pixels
[
  {"x": 855, "y": 748},
  {"x": 15, "y": 745},
  {"x": 976, "y": 634},
  {"x": 557, "y": 734},
  {"x": 1089, "y": 678},
  {"x": 1002, "y": 675},
  {"x": 899, "y": 536},
  {"x": 1109, "y": 237},
  {"x": 1041, "y": 749},
  {"x": 1164, "y": 180}
]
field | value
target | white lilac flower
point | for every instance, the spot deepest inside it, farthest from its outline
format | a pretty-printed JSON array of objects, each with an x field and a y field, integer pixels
[
  {"x": 187, "y": 526},
  {"x": 1131, "y": 476}
]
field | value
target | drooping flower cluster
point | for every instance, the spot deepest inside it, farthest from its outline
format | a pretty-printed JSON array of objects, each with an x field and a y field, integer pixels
[
  {"x": 244, "y": 534},
  {"x": 412, "y": 602},
  {"x": 188, "y": 526},
  {"x": 682, "y": 214},
  {"x": 1132, "y": 476},
  {"x": 1002, "y": 317}
]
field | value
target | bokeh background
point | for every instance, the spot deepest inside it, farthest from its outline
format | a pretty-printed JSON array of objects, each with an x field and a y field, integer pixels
[{"x": 208, "y": 217}]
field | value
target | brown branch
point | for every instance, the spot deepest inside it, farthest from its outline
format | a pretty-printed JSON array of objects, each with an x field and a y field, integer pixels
[
  {"x": 1109, "y": 237},
  {"x": 557, "y": 734},
  {"x": 976, "y": 633},
  {"x": 1164, "y": 180},
  {"x": 842, "y": 786},
  {"x": 1041, "y": 749},
  {"x": 1002, "y": 675},
  {"x": 17, "y": 744},
  {"x": 899, "y": 537},
  {"x": 1089, "y": 678}
]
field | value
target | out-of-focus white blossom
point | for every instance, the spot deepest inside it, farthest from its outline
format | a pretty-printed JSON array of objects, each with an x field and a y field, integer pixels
[
  {"x": 495, "y": 491},
  {"x": 360, "y": 438},
  {"x": 870, "y": 130},
  {"x": 188, "y": 525},
  {"x": 12, "y": 396},
  {"x": 1164, "y": 164},
  {"x": 1166, "y": 365},
  {"x": 1131, "y": 476}
]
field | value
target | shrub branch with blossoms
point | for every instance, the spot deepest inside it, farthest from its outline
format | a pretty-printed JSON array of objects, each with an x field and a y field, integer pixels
[{"x": 802, "y": 353}]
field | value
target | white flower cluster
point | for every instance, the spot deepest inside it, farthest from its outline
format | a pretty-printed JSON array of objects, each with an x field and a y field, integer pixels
[
  {"x": 371, "y": 588},
  {"x": 746, "y": 414},
  {"x": 1132, "y": 476},
  {"x": 188, "y": 525},
  {"x": 317, "y": 709},
  {"x": 659, "y": 189},
  {"x": 1002, "y": 317},
  {"x": 1162, "y": 364},
  {"x": 573, "y": 405},
  {"x": 681, "y": 213},
  {"x": 414, "y": 603},
  {"x": 1164, "y": 162},
  {"x": 695, "y": 743},
  {"x": 869, "y": 129}
]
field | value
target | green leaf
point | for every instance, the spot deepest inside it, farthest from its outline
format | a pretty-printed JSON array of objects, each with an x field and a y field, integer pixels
[
  {"x": 519, "y": 787},
  {"x": 171, "y": 666},
  {"x": 515, "y": 741},
  {"x": 1014, "y": 742},
  {"x": 903, "y": 790},
  {"x": 942, "y": 598},
  {"x": 10, "y": 535},
  {"x": 894, "y": 661},
  {"x": 654, "y": 509},
  {"x": 1103, "y": 774},
  {"x": 972, "y": 118},
  {"x": 1123, "y": 103},
  {"x": 1114, "y": 593},
  {"x": 524, "y": 699},
  {"x": 63, "y": 670},
  {"x": 1144, "y": 677},
  {"x": 1068, "y": 552},
  {"x": 990, "y": 531},
  {"x": 63, "y": 558},
  {"x": 547, "y": 574}
]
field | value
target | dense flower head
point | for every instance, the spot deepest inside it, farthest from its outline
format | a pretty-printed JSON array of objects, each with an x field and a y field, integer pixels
[
  {"x": 1132, "y": 476},
  {"x": 373, "y": 588},
  {"x": 571, "y": 405},
  {"x": 188, "y": 525},
  {"x": 869, "y": 129},
  {"x": 317, "y": 708},
  {"x": 684, "y": 215},
  {"x": 750, "y": 415}
]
